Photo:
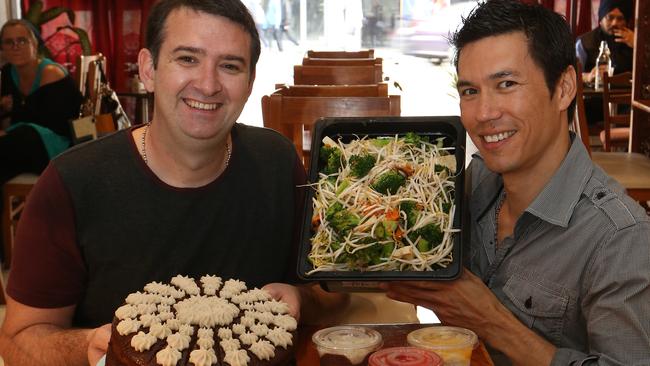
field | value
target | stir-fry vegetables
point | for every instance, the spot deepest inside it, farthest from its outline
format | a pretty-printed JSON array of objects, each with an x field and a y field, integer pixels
[{"x": 383, "y": 204}]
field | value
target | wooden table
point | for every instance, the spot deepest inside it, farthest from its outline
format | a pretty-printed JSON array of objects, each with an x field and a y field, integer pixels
[{"x": 393, "y": 334}]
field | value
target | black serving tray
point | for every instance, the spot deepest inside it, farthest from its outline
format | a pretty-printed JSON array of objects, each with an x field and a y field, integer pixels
[{"x": 349, "y": 128}]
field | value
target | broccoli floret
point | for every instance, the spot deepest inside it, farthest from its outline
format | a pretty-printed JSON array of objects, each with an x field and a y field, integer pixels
[
  {"x": 331, "y": 157},
  {"x": 360, "y": 165},
  {"x": 344, "y": 184},
  {"x": 366, "y": 256},
  {"x": 340, "y": 219},
  {"x": 381, "y": 141},
  {"x": 414, "y": 139},
  {"x": 446, "y": 207},
  {"x": 429, "y": 235},
  {"x": 411, "y": 211},
  {"x": 389, "y": 182}
]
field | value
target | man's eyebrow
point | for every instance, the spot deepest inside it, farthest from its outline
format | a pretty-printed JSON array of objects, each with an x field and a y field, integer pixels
[
  {"x": 463, "y": 83},
  {"x": 189, "y": 49},
  {"x": 235, "y": 58},
  {"x": 503, "y": 74}
]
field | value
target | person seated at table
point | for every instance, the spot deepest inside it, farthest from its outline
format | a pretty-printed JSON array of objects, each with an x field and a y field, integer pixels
[
  {"x": 192, "y": 193},
  {"x": 615, "y": 17},
  {"x": 557, "y": 271},
  {"x": 39, "y": 97}
]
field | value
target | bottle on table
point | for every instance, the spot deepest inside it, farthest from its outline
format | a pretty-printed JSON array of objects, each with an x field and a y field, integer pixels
[{"x": 603, "y": 64}]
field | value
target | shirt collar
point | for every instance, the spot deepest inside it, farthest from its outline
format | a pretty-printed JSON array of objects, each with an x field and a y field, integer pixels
[{"x": 555, "y": 203}]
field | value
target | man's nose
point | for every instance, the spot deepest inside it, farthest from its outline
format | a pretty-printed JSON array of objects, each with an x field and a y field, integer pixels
[
  {"x": 208, "y": 81},
  {"x": 488, "y": 108}
]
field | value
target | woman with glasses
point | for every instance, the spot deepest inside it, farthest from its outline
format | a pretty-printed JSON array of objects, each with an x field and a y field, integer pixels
[{"x": 39, "y": 97}]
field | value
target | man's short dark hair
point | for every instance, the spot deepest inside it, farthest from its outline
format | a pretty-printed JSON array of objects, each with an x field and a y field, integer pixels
[
  {"x": 233, "y": 10},
  {"x": 550, "y": 42}
]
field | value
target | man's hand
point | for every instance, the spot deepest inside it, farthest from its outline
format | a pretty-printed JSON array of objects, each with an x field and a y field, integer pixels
[
  {"x": 624, "y": 35},
  {"x": 98, "y": 343},
  {"x": 288, "y": 294},
  {"x": 589, "y": 77},
  {"x": 465, "y": 302}
]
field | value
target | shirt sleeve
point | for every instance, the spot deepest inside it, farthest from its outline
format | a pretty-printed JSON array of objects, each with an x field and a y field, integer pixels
[
  {"x": 616, "y": 302},
  {"x": 47, "y": 269},
  {"x": 581, "y": 54}
]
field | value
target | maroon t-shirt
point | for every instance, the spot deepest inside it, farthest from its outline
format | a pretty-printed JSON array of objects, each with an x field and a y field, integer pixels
[{"x": 99, "y": 224}]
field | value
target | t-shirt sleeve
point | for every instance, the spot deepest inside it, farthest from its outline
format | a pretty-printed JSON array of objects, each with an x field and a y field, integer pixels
[{"x": 47, "y": 269}]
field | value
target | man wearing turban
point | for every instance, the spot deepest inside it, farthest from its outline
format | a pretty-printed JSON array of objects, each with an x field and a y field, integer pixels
[{"x": 614, "y": 17}]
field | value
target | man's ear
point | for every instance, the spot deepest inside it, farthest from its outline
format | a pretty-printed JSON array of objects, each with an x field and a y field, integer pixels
[
  {"x": 566, "y": 88},
  {"x": 146, "y": 69}
]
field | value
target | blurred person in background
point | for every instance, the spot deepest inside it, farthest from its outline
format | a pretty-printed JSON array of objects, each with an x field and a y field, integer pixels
[
  {"x": 38, "y": 97},
  {"x": 614, "y": 21},
  {"x": 274, "y": 22},
  {"x": 259, "y": 16}
]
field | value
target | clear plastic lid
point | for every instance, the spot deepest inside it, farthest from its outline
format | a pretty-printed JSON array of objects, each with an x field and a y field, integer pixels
[
  {"x": 353, "y": 342},
  {"x": 442, "y": 338},
  {"x": 404, "y": 356}
]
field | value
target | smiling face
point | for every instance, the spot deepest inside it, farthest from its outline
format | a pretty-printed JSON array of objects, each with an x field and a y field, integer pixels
[
  {"x": 18, "y": 46},
  {"x": 202, "y": 80},
  {"x": 507, "y": 108}
]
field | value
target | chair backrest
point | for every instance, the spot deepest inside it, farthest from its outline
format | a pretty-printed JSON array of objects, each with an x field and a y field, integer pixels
[
  {"x": 579, "y": 124},
  {"x": 373, "y": 90},
  {"x": 337, "y": 75},
  {"x": 617, "y": 92},
  {"x": 83, "y": 67},
  {"x": 341, "y": 54},
  {"x": 341, "y": 61},
  {"x": 291, "y": 116}
]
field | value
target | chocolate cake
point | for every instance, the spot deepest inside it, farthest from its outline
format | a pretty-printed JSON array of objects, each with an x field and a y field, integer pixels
[{"x": 201, "y": 323}]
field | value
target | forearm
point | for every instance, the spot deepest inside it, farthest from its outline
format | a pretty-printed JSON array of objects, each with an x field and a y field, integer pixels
[
  {"x": 45, "y": 345},
  {"x": 507, "y": 334},
  {"x": 315, "y": 302}
]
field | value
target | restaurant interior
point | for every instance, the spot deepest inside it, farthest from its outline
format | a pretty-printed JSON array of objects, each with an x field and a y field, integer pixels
[{"x": 376, "y": 70}]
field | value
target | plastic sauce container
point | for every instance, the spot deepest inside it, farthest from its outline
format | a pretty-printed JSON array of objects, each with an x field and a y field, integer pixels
[
  {"x": 453, "y": 344},
  {"x": 404, "y": 356},
  {"x": 346, "y": 345}
]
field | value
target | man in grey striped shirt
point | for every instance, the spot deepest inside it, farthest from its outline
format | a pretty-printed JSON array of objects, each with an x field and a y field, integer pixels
[{"x": 558, "y": 268}]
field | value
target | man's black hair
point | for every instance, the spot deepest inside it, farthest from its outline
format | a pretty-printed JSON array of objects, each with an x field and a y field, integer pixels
[
  {"x": 233, "y": 10},
  {"x": 550, "y": 42}
]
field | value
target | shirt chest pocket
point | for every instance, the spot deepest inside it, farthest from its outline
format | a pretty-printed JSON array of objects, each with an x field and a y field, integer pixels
[{"x": 541, "y": 306}]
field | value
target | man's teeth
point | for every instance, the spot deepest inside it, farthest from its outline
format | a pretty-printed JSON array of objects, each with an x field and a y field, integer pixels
[
  {"x": 498, "y": 137},
  {"x": 199, "y": 105}
]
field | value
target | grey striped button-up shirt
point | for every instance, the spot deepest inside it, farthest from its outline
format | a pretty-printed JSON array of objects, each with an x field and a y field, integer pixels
[{"x": 576, "y": 269}]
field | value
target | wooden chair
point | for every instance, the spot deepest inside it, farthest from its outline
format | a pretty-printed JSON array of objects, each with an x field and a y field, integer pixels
[
  {"x": 341, "y": 61},
  {"x": 631, "y": 170},
  {"x": 14, "y": 195},
  {"x": 82, "y": 70},
  {"x": 341, "y": 54},
  {"x": 293, "y": 116},
  {"x": 337, "y": 75},
  {"x": 373, "y": 90},
  {"x": 617, "y": 92}
]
